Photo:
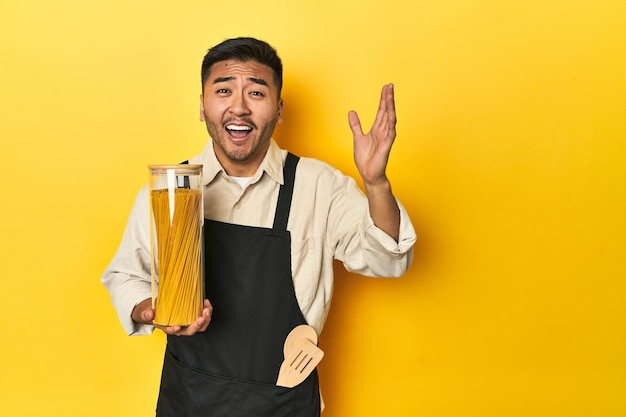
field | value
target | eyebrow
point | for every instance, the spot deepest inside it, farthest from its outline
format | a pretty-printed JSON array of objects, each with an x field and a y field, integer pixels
[{"x": 260, "y": 81}]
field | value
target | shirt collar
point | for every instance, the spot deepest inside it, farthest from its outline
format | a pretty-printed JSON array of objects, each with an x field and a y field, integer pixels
[{"x": 272, "y": 164}]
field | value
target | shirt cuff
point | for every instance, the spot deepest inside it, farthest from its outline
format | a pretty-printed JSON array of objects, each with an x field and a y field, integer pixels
[
  {"x": 406, "y": 237},
  {"x": 125, "y": 297}
]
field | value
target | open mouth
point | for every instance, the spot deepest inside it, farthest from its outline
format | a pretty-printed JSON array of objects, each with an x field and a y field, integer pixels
[{"x": 238, "y": 131}]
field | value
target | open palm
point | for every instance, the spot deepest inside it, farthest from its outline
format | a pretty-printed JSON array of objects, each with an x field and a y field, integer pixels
[{"x": 371, "y": 150}]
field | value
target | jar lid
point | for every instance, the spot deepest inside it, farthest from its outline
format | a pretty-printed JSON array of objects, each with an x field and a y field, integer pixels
[{"x": 179, "y": 169}]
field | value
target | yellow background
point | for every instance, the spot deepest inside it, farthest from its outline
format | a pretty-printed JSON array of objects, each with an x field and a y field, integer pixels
[{"x": 510, "y": 159}]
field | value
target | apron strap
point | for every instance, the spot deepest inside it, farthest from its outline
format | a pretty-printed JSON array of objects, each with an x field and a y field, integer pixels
[{"x": 286, "y": 192}]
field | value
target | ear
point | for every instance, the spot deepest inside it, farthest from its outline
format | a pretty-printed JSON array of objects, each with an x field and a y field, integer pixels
[
  {"x": 280, "y": 111},
  {"x": 202, "y": 118}
]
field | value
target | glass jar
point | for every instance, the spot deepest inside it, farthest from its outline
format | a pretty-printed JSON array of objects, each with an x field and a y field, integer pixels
[{"x": 176, "y": 220}]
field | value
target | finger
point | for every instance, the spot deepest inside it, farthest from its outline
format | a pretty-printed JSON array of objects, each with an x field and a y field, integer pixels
[
  {"x": 204, "y": 326},
  {"x": 392, "y": 96},
  {"x": 384, "y": 97},
  {"x": 386, "y": 116},
  {"x": 147, "y": 315},
  {"x": 206, "y": 316},
  {"x": 173, "y": 330},
  {"x": 207, "y": 311},
  {"x": 390, "y": 101},
  {"x": 143, "y": 312},
  {"x": 355, "y": 123},
  {"x": 191, "y": 329},
  {"x": 200, "y": 324},
  {"x": 384, "y": 105}
]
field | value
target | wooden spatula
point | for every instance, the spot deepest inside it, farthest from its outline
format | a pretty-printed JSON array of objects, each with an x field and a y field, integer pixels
[
  {"x": 298, "y": 333},
  {"x": 301, "y": 356}
]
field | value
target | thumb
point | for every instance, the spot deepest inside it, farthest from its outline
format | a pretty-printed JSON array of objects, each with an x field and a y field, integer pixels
[
  {"x": 143, "y": 312},
  {"x": 355, "y": 123},
  {"x": 147, "y": 315}
]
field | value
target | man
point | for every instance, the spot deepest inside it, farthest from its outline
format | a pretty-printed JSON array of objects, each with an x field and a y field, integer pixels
[{"x": 273, "y": 225}]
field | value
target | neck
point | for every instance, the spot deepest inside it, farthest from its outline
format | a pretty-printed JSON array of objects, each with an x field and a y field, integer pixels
[{"x": 240, "y": 168}]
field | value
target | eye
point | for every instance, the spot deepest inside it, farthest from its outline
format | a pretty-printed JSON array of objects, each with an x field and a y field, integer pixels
[
  {"x": 257, "y": 94},
  {"x": 223, "y": 91}
]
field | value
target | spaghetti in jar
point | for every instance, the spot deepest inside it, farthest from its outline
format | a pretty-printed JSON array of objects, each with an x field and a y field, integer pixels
[{"x": 176, "y": 220}]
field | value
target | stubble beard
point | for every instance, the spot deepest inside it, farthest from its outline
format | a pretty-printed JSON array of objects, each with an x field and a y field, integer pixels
[{"x": 239, "y": 154}]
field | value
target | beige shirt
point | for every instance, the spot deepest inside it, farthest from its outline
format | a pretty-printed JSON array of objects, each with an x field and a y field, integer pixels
[{"x": 329, "y": 220}]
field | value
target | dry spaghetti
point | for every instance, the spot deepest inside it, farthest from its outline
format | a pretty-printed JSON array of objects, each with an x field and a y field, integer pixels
[{"x": 178, "y": 249}]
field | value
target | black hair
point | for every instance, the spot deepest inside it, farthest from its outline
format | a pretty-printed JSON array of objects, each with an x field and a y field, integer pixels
[{"x": 244, "y": 49}]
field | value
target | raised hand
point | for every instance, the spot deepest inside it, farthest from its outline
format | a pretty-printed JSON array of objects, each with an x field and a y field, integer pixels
[
  {"x": 371, "y": 155},
  {"x": 371, "y": 150}
]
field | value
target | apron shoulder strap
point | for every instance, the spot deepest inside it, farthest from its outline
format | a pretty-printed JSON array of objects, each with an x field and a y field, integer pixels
[{"x": 286, "y": 192}]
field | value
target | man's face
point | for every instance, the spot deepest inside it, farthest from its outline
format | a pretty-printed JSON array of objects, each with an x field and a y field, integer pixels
[{"x": 240, "y": 106}]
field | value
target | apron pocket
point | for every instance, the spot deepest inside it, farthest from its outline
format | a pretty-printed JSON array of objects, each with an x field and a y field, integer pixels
[{"x": 192, "y": 392}]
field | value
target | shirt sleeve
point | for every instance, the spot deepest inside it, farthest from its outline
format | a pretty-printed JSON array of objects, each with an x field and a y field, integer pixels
[
  {"x": 127, "y": 278},
  {"x": 384, "y": 256},
  {"x": 361, "y": 246}
]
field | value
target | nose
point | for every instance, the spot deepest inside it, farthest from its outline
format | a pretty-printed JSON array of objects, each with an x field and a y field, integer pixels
[{"x": 239, "y": 105}]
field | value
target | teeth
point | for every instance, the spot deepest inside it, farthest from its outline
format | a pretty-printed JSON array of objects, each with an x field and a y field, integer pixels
[{"x": 241, "y": 128}]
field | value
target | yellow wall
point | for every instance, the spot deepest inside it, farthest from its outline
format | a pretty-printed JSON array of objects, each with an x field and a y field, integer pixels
[{"x": 510, "y": 158}]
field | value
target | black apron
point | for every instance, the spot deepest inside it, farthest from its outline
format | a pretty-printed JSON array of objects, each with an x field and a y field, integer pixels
[{"x": 231, "y": 369}]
